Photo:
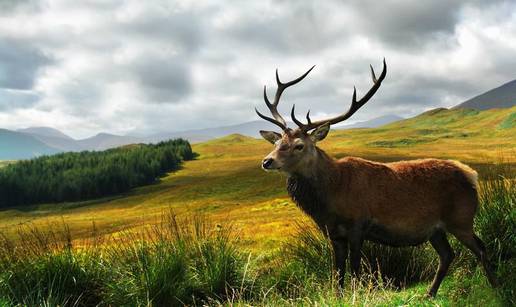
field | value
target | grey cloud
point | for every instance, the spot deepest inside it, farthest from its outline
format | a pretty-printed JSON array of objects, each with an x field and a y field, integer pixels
[
  {"x": 500, "y": 60},
  {"x": 19, "y": 63},
  {"x": 175, "y": 66},
  {"x": 163, "y": 79},
  {"x": 407, "y": 24},
  {"x": 410, "y": 95},
  {"x": 413, "y": 25},
  {"x": 305, "y": 27},
  {"x": 298, "y": 28},
  {"x": 183, "y": 30},
  {"x": 15, "y": 99},
  {"x": 82, "y": 93},
  {"x": 19, "y": 6}
]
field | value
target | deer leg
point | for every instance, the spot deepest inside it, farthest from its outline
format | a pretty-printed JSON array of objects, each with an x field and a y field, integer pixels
[
  {"x": 355, "y": 250},
  {"x": 340, "y": 248},
  {"x": 473, "y": 242},
  {"x": 442, "y": 246}
]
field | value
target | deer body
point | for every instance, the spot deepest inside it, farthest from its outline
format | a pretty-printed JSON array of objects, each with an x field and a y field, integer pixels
[
  {"x": 399, "y": 208},
  {"x": 352, "y": 199}
]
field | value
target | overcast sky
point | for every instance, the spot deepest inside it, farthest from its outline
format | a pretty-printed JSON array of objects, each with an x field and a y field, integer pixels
[{"x": 138, "y": 67}]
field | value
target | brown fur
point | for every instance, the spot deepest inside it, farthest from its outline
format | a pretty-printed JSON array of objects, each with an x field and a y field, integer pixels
[
  {"x": 408, "y": 198},
  {"x": 400, "y": 204}
]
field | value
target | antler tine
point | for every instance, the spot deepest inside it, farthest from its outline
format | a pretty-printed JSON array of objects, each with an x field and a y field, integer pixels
[
  {"x": 308, "y": 117},
  {"x": 272, "y": 120},
  {"x": 297, "y": 121},
  {"x": 273, "y": 107},
  {"x": 372, "y": 74},
  {"x": 355, "y": 105},
  {"x": 293, "y": 115}
]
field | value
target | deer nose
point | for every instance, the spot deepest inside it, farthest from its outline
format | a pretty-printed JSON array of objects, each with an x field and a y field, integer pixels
[{"x": 267, "y": 162}]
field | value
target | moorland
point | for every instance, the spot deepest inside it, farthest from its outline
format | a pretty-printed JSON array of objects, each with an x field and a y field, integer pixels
[{"x": 225, "y": 185}]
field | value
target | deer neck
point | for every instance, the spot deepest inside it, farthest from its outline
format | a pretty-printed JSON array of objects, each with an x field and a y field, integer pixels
[
  {"x": 309, "y": 188},
  {"x": 321, "y": 168}
]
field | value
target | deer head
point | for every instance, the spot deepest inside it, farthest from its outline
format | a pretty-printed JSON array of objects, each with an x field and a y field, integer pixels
[{"x": 296, "y": 148}]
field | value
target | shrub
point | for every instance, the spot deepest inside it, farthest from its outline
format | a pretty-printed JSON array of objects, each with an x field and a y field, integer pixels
[
  {"x": 496, "y": 224},
  {"x": 52, "y": 274},
  {"x": 496, "y": 217},
  {"x": 176, "y": 262},
  {"x": 399, "y": 266},
  {"x": 303, "y": 264}
]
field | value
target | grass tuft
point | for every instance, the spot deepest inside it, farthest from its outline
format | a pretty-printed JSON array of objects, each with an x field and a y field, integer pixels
[{"x": 496, "y": 224}]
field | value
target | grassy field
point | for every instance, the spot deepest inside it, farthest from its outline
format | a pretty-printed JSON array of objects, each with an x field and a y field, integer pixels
[{"x": 225, "y": 184}]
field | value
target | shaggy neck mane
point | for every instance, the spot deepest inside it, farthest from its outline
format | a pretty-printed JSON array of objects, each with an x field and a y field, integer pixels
[{"x": 309, "y": 189}]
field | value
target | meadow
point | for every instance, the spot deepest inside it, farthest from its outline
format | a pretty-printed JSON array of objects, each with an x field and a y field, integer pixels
[{"x": 252, "y": 245}]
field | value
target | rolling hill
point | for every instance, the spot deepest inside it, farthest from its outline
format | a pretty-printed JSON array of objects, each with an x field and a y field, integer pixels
[
  {"x": 202, "y": 135},
  {"x": 35, "y": 141},
  {"x": 60, "y": 142},
  {"x": 252, "y": 129},
  {"x": 45, "y": 131},
  {"x": 16, "y": 145},
  {"x": 503, "y": 96},
  {"x": 103, "y": 141},
  {"x": 53, "y": 138},
  {"x": 372, "y": 123},
  {"x": 45, "y": 140},
  {"x": 226, "y": 182}
]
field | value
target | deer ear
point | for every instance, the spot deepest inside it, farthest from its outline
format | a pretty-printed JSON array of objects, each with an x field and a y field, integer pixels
[
  {"x": 320, "y": 133},
  {"x": 270, "y": 136}
]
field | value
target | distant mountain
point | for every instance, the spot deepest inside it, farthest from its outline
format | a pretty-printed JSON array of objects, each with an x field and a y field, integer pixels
[
  {"x": 56, "y": 139},
  {"x": 252, "y": 129},
  {"x": 32, "y": 142},
  {"x": 45, "y": 131},
  {"x": 60, "y": 143},
  {"x": 199, "y": 135},
  {"x": 53, "y": 138},
  {"x": 373, "y": 123},
  {"x": 48, "y": 140},
  {"x": 17, "y": 145},
  {"x": 103, "y": 141},
  {"x": 501, "y": 97}
]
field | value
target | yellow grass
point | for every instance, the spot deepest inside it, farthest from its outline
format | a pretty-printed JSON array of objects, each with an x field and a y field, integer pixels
[{"x": 227, "y": 184}]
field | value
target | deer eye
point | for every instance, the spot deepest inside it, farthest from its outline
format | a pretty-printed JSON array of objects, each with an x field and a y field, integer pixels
[
  {"x": 299, "y": 147},
  {"x": 283, "y": 147}
]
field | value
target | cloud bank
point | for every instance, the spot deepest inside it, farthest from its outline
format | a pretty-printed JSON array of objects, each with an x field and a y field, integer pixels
[{"x": 139, "y": 67}]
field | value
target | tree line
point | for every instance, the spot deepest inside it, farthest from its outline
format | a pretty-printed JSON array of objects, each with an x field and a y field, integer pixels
[{"x": 75, "y": 176}]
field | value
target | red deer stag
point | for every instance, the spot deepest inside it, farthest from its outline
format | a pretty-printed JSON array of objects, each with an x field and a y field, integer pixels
[{"x": 399, "y": 204}]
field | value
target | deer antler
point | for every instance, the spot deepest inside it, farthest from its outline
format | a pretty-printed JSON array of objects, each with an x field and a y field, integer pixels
[
  {"x": 355, "y": 105},
  {"x": 273, "y": 107}
]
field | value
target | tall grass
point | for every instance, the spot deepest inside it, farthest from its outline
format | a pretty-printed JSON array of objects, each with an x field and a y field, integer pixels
[
  {"x": 303, "y": 264},
  {"x": 45, "y": 270},
  {"x": 173, "y": 263},
  {"x": 496, "y": 224},
  {"x": 188, "y": 261},
  {"x": 399, "y": 267},
  {"x": 496, "y": 217}
]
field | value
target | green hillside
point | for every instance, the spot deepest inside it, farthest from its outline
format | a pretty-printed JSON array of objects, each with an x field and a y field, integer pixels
[
  {"x": 466, "y": 134},
  {"x": 227, "y": 183}
]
